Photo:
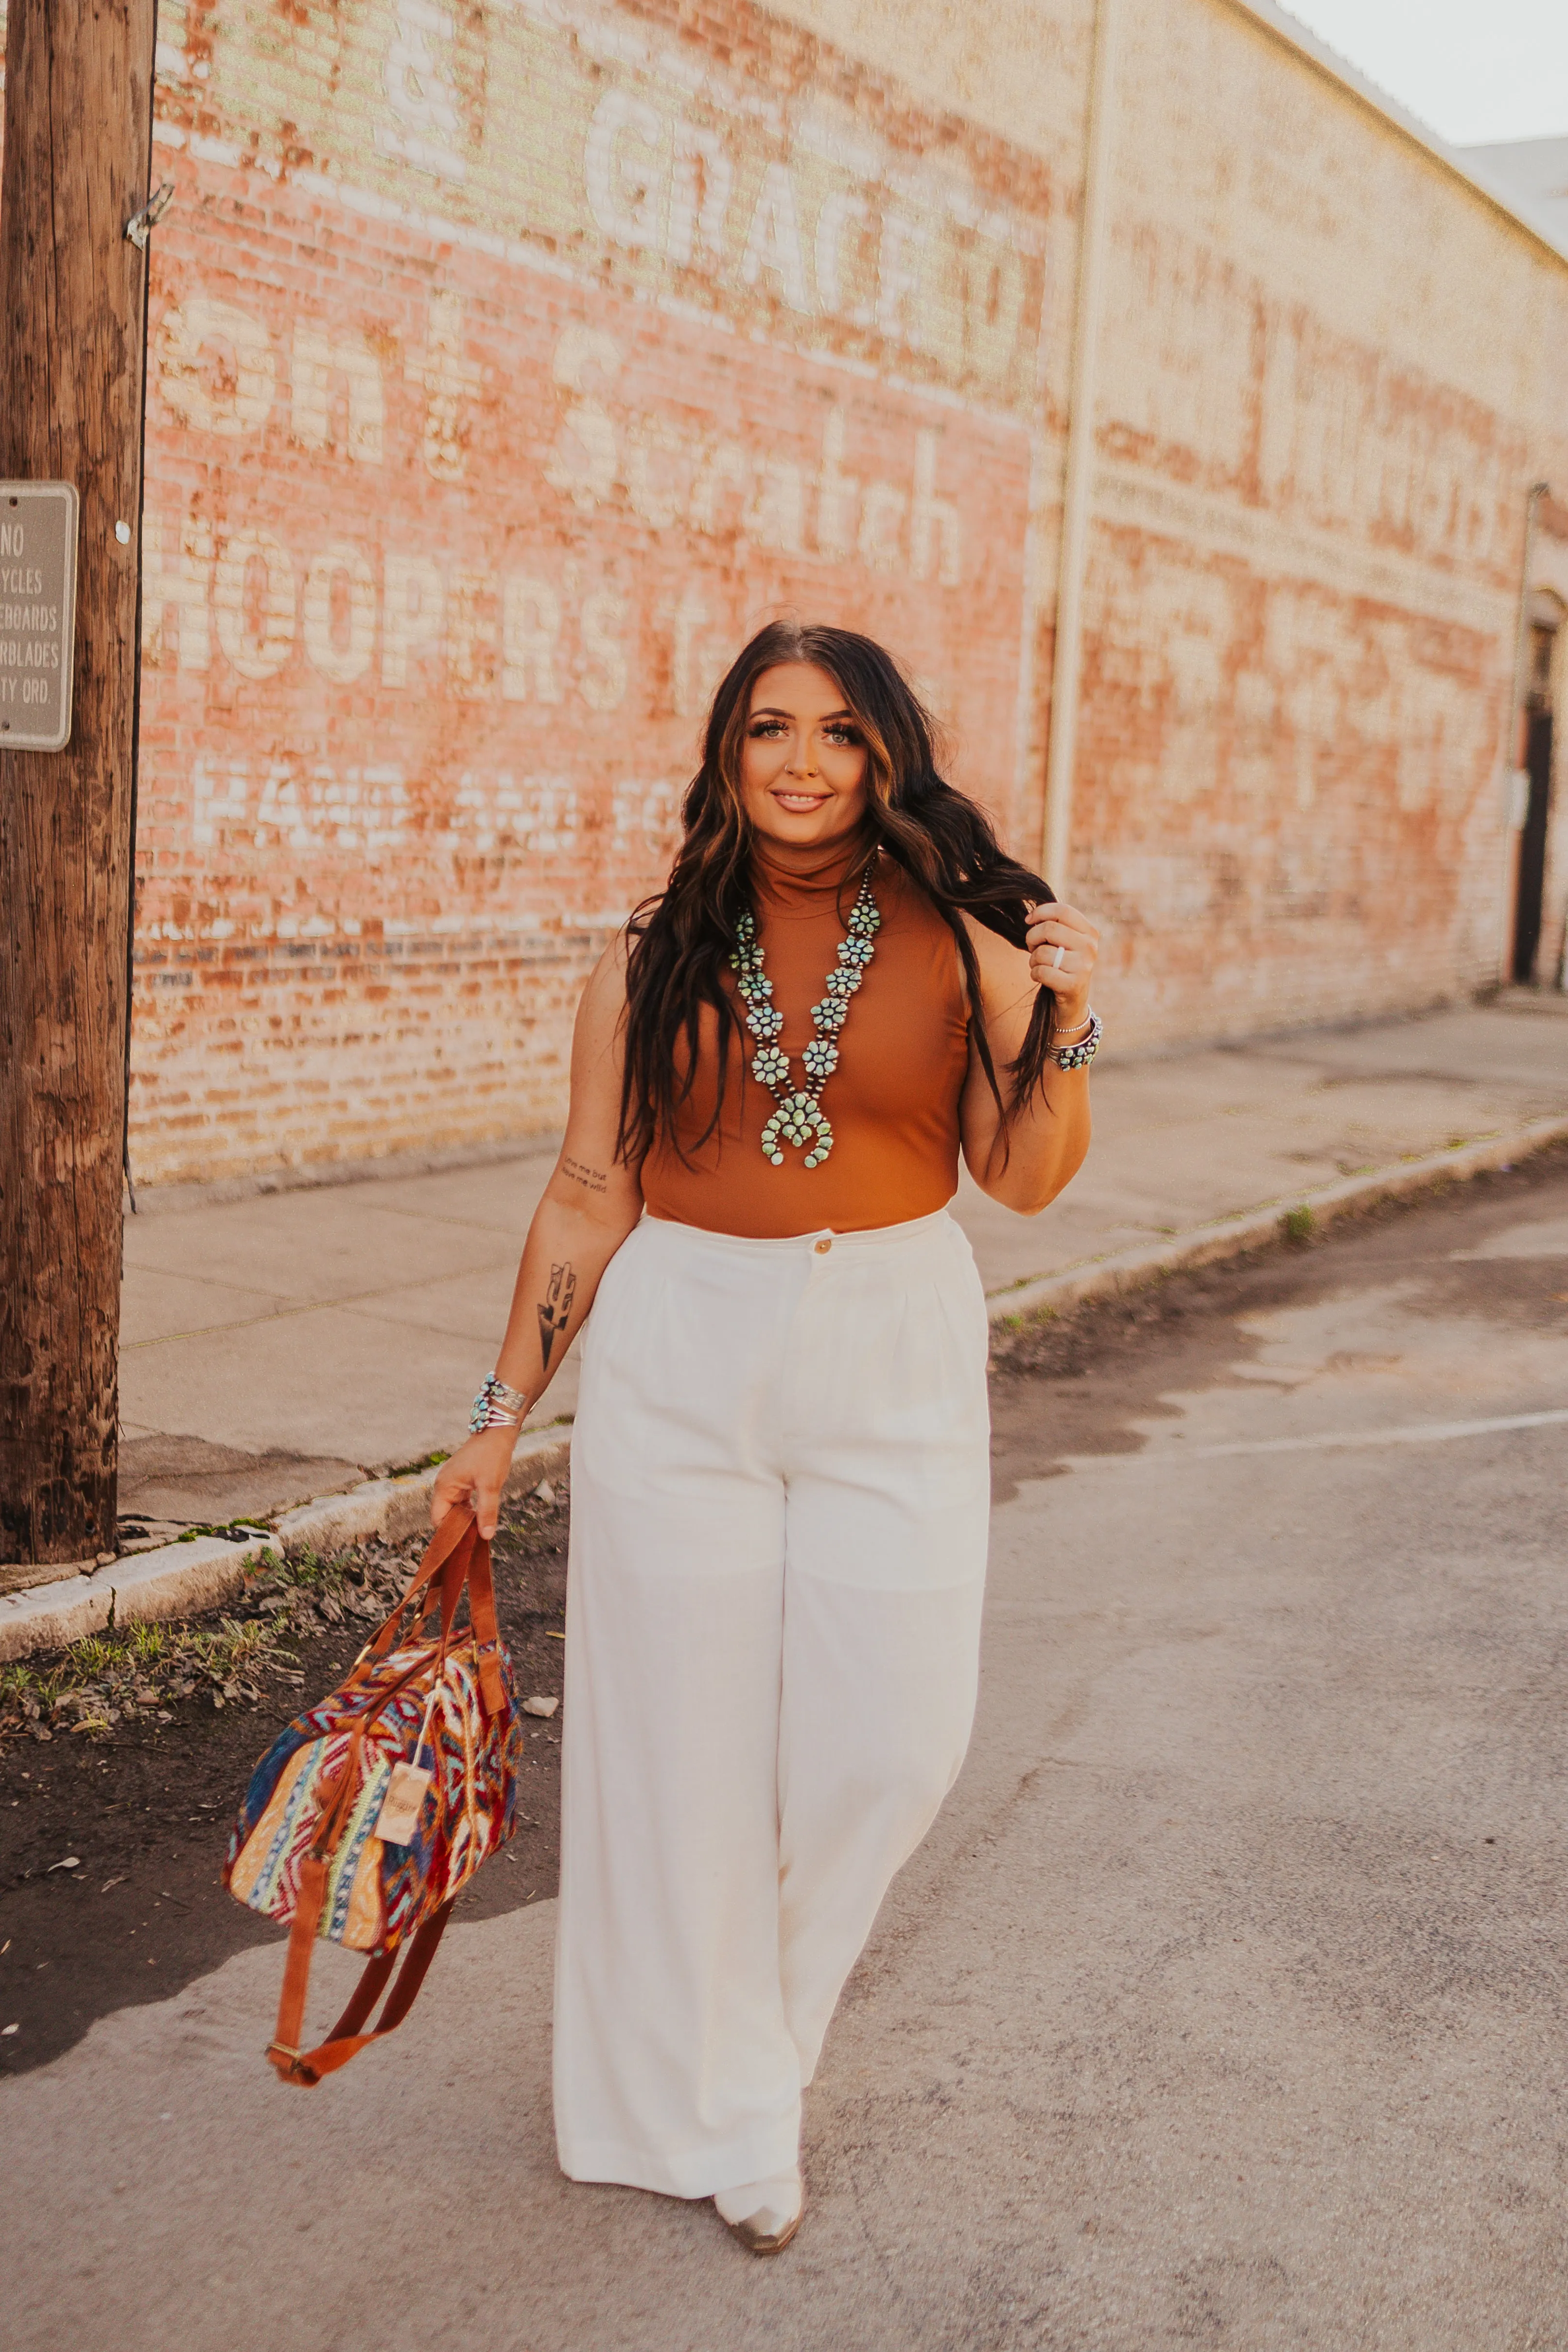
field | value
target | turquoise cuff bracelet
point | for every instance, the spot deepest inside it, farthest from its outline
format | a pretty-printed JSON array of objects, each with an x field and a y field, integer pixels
[
  {"x": 497, "y": 1406},
  {"x": 1080, "y": 1057}
]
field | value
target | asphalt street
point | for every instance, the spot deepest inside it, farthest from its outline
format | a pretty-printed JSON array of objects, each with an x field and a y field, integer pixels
[{"x": 1222, "y": 2008}]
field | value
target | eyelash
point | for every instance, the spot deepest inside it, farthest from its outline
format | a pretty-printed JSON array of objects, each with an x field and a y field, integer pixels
[{"x": 842, "y": 737}]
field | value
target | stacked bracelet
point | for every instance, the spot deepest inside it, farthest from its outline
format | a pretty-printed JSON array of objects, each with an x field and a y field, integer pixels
[
  {"x": 1080, "y": 1057},
  {"x": 497, "y": 1406}
]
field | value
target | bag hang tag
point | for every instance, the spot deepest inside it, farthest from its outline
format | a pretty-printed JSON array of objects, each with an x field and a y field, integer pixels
[
  {"x": 402, "y": 1804},
  {"x": 408, "y": 1787}
]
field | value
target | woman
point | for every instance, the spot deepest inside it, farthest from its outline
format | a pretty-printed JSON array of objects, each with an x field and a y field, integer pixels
[{"x": 780, "y": 1479}]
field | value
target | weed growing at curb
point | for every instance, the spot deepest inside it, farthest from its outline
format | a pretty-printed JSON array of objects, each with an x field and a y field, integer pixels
[
  {"x": 1297, "y": 1225},
  {"x": 233, "y": 1531},
  {"x": 425, "y": 1461},
  {"x": 137, "y": 1672},
  {"x": 123, "y": 1676}
]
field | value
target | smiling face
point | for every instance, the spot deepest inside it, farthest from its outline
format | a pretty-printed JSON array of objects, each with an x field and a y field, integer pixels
[{"x": 802, "y": 759}]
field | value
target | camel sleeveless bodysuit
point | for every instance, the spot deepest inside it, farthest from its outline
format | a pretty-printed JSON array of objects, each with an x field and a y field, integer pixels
[{"x": 903, "y": 1055}]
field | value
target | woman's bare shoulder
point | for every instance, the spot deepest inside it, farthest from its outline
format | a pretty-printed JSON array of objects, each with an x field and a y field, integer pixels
[
  {"x": 603, "y": 1003},
  {"x": 608, "y": 976}
]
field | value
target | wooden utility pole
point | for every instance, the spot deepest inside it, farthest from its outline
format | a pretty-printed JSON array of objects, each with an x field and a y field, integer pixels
[{"x": 79, "y": 129}]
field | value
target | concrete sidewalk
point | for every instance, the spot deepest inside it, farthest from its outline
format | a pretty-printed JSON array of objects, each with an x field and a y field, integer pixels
[{"x": 286, "y": 1345}]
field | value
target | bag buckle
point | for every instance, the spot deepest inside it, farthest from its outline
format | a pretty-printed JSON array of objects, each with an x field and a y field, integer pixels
[{"x": 290, "y": 2064}]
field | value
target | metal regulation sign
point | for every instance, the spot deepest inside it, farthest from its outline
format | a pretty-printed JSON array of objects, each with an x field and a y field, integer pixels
[{"x": 37, "y": 613}]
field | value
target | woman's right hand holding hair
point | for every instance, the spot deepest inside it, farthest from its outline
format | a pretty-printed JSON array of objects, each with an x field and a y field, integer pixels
[{"x": 1063, "y": 947}]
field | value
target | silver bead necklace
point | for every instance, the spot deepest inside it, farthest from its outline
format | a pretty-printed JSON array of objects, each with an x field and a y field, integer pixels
[{"x": 798, "y": 1118}]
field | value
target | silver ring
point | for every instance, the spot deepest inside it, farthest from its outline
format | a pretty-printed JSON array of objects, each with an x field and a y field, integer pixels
[{"x": 1057, "y": 960}]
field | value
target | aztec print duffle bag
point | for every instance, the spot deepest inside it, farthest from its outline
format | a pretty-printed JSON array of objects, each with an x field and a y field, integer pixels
[{"x": 366, "y": 1817}]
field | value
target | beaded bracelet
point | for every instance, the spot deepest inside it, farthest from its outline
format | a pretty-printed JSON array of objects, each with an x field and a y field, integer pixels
[{"x": 497, "y": 1406}]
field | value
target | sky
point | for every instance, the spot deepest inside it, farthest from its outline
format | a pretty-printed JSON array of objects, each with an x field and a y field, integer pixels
[{"x": 1476, "y": 71}]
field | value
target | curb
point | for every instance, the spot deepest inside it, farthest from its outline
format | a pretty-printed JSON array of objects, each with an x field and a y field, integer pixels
[
  {"x": 1134, "y": 1269},
  {"x": 180, "y": 1580}
]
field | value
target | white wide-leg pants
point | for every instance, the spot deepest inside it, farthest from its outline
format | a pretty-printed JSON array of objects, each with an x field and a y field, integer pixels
[{"x": 780, "y": 1489}]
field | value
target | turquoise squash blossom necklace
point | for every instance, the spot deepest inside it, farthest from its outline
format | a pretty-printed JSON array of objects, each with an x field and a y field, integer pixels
[{"x": 798, "y": 1118}]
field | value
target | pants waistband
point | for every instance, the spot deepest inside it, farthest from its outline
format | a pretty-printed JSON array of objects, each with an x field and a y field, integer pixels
[{"x": 872, "y": 1239}]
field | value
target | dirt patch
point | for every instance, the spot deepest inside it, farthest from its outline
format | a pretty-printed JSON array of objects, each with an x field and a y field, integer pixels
[{"x": 145, "y": 1809}]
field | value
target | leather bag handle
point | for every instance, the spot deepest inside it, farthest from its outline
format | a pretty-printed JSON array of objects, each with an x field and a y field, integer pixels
[
  {"x": 450, "y": 1537},
  {"x": 469, "y": 1563},
  {"x": 457, "y": 1554}
]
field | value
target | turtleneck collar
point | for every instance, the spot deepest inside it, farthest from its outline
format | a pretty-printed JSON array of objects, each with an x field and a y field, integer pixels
[{"x": 810, "y": 888}]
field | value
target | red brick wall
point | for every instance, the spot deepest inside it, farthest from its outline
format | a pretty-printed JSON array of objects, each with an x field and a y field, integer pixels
[
  {"x": 448, "y": 535},
  {"x": 512, "y": 359}
]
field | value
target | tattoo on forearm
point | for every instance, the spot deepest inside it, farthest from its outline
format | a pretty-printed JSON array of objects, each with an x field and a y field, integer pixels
[
  {"x": 555, "y": 1308},
  {"x": 592, "y": 1179}
]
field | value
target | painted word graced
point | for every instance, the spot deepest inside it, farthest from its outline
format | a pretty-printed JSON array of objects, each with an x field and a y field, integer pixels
[{"x": 583, "y": 136}]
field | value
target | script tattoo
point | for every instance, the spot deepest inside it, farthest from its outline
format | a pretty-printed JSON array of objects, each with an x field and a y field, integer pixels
[
  {"x": 555, "y": 1308},
  {"x": 592, "y": 1179}
]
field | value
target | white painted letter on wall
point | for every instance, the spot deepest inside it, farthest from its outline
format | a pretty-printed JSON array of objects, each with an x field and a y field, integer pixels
[
  {"x": 839, "y": 210},
  {"x": 215, "y": 366},
  {"x": 603, "y": 678},
  {"x": 585, "y": 458},
  {"x": 530, "y": 632},
  {"x": 342, "y": 654},
  {"x": 180, "y": 582},
  {"x": 255, "y": 632},
  {"x": 427, "y": 127},
  {"x": 698, "y": 192},
  {"x": 450, "y": 380},
  {"x": 410, "y": 614},
  {"x": 623, "y": 168},
  {"x": 773, "y": 241},
  {"x": 933, "y": 522},
  {"x": 318, "y": 358}
]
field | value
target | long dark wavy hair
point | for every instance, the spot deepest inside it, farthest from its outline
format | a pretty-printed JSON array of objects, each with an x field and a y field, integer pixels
[{"x": 679, "y": 942}]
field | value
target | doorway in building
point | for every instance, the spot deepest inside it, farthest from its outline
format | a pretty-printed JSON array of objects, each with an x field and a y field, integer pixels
[{"x": 1538, "y": 766}]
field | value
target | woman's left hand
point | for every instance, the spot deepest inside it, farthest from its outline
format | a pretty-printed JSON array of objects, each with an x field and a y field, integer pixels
[{"x": 1063, "y": 948}]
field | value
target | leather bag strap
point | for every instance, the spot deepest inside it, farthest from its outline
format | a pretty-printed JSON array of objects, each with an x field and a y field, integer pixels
[
  {"x": 456, "y": 1554},
  {"x": 454, "y": 1576},
  {"x": 469, "y": 1562},
  {"x": 346, "y": 2039},
  {"x": 487, "y": 1632}
]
